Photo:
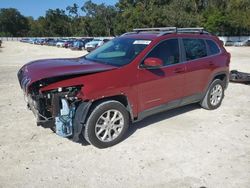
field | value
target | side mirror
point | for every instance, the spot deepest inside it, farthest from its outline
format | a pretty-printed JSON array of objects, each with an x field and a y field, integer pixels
[{"x": 152, "y": 63}]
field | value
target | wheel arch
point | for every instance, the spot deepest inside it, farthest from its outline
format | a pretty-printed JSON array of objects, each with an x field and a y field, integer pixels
[
  {"x": 85, "y": 108},
  {"x": 223, "y": 76},
  {"x": 123, "y": 99}
]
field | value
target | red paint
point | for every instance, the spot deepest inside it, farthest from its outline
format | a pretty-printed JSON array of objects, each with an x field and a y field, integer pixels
[
  {"x": 40, "y": 69},
  {"x": 144, "y": 88}
]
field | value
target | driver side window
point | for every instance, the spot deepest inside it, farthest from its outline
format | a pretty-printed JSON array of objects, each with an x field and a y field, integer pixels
[{"x": 167, "y": 51}]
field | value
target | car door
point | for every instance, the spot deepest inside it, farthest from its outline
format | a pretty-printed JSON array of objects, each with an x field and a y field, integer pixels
[
  {"x": 198, "y": 66},
  {"x": 162, "y": 85}
]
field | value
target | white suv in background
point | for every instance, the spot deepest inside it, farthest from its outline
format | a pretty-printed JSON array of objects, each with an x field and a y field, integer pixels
[{"x": 95, "y": 43}]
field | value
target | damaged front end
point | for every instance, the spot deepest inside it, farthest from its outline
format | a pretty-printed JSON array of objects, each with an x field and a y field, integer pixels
[
  {"x": 63, "y": 107},
  {"x": 55, "y": 109}
]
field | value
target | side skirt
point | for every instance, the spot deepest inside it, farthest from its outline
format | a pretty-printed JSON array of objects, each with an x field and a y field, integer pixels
[{"x": 170, "y": 105}]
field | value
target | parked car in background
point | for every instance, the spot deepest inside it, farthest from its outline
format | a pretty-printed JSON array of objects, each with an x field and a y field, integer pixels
[
  {"x": 78, "y": 45},
  {"x": 238, "y": 43},
  {"x": 39, "y": 41},
  {"x": 60, "y": 43},
  {"x": 103, "y": 42},
  {"x": 32, "y": 40},
  {"x": 47, "y": 40},
  {"x": 26, "y": 40},
  {"x": 86, "y": 40},
  {"x": 229, "y": 43},
  {"x": 95, "y": 43},
  {"x": 52, "y": 42},
  {"x": 247, "y": 43},
  {"x": 68, "y": 44}
]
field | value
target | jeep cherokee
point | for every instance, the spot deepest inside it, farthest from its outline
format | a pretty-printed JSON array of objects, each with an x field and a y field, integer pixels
[{"x": 138, "y": 74}]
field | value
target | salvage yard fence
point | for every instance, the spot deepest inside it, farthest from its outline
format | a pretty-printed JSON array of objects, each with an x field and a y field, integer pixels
[
  {"x": 233, "y": 39},
  {"x": 19, "y": 38}
]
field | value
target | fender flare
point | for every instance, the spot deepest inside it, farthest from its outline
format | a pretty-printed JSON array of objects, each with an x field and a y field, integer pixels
[
  {"x": 79, "y": 119},
  {"x": 212, "y": 79}
]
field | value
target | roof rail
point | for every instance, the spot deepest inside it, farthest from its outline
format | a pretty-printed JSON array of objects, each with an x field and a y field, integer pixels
[
  {"x": 155, "y": 29},
  {"x": 128, "y": 33},
  {"x": 192, "y": 30},
  {"x": 169, "y": 30}
]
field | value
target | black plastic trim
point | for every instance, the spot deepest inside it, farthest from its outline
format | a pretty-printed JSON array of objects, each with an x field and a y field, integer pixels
[
  {"x": 170, "y": 105},
  {"x": 79, "y": 119}
]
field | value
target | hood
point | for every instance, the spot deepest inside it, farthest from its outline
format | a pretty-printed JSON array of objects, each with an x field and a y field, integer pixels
[{"x": 51, "y": 68}]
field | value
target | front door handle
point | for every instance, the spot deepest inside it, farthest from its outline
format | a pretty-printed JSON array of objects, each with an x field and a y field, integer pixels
[{"x": 179, "y": 70}]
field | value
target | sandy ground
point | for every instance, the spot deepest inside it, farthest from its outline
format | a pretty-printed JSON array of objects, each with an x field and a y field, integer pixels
[{"x": 185, "y": 147}]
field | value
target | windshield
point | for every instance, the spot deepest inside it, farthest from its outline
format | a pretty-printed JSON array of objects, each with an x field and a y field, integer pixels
[{"x": 118, "y": 52}]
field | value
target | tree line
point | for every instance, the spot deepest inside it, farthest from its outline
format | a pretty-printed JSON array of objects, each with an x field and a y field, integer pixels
[{"x": 221, "y": 17}]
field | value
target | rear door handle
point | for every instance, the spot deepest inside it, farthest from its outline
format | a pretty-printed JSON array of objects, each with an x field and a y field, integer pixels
[{"x": 179, "y": 70}]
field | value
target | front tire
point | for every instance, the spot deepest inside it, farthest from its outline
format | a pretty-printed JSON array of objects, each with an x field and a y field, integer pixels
[
  {"x": 107, "y": 124},
  {"x": 214, "y": 95}
]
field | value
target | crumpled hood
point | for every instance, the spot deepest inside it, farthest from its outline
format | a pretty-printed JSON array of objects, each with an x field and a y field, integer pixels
[{"x": 49, "y": 68}]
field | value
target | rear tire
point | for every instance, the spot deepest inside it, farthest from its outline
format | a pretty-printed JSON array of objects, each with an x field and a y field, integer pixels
[
  {"x": 214, "y": 95},
  {"x": 107, "y": 124}
]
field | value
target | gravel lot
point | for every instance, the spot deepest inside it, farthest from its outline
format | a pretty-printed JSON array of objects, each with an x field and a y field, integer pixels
[{"x": 185, "y": 147}]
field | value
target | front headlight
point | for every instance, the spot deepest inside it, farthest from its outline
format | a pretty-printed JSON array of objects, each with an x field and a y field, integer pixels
[{"x": 70, "y": 91}]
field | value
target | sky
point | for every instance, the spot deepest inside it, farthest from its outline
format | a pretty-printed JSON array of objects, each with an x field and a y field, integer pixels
[{"x": 38, "y": 8}]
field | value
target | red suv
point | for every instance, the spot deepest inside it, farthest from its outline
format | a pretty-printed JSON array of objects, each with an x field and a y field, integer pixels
[{"x": 129, "y": 78}]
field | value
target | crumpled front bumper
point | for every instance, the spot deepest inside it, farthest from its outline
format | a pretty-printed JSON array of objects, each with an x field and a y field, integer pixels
[
  {"x": 48, "y": 109},
  {"x": 78, "y": 115},
  {"x": 34, "y": 106}
]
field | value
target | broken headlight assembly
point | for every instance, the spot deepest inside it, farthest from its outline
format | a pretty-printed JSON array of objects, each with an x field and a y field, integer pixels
[
  {"x": 65, "y": 110},
  {"x": 56, "y": 108}
]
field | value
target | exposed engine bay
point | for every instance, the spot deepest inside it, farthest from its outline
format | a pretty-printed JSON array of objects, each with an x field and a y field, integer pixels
[
  {"x": 55, "y": 109},
  {"x": 60, "y": 108}
]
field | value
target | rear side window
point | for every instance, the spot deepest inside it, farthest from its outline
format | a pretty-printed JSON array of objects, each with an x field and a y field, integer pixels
[
  {"x": 195, "y": 48},
  {"x": 167, "y": 51},
  {"x": 212, "y": 47}
]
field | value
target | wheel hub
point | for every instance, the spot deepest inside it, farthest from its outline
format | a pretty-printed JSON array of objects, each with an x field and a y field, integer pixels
[
  {"x": 109, "y": 125},
  {"x": 216, "y": 95}
]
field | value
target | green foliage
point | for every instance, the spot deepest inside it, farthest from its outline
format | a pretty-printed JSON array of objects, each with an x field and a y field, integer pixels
[
  {"x": 12, "y": 23},
  {"x": 222, "y": 17},
  {"x": 99, "y": 19}
]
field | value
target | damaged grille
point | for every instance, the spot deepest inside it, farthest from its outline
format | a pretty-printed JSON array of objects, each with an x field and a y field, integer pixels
[{"x": 55, "y": 109}]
